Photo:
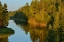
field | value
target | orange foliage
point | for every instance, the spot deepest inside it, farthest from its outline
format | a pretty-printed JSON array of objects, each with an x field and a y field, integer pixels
[
  {"x": 42, "y": 24},
  {"x": 34, "y": 23}
]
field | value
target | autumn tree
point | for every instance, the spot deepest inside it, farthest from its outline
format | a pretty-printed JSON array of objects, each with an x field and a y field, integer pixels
[
  {"x": 3, "y": 15},
  {"x": 62, "y": 14}
]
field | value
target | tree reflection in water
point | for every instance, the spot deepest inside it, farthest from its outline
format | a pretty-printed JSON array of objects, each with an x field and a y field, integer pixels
[
  {"x": 4, "y": 33},
  {"x": 36, "y": 34}
]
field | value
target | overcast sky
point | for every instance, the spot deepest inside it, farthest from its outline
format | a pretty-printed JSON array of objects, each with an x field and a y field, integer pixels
[{"x": 15, "y": 4}]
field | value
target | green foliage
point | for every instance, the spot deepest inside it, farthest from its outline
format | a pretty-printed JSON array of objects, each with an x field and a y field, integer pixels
[
  {"x": 4, "y": 17},
  {"x": 35, "y": 10},
  {"x": 62, "y": 15},
  {"x": 44, "y": 11},
  {"x": 6, "y": 31},
  {"x": 56, "y": 21},
  {"x": 50, "y": 12},
  {"x": 20, "y": 15},
  {"x": 51, "y": 36}
]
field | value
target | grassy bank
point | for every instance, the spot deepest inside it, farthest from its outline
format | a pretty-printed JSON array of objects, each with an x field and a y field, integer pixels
[{"x": 6, "y": 31}]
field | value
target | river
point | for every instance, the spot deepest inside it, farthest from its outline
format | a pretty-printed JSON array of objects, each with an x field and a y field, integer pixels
[{"x": 25, "y": 33}]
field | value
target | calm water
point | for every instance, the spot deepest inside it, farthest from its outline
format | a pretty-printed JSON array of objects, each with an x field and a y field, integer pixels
[{"x": 25, "y": 33}]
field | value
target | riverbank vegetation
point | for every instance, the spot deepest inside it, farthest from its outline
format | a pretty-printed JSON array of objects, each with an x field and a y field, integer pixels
[
  {"x": 5, "y": 33},
  {"x": 39, "y": 14},
  {"x": 4, "y": 17},
  {"x": 46, "y": 13},
  {"x": 43, "y": 13}
]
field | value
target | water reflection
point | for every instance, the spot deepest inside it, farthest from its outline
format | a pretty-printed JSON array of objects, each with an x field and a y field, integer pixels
[
  {"x": 5, "y": 33},
  {"x": 36, "y": 34}
]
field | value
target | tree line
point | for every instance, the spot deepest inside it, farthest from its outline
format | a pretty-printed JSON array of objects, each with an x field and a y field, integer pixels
[{"x": 49, "y": 12}]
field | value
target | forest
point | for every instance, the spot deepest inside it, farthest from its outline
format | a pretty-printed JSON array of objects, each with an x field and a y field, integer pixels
[
  {"x": 43, "y": 13},
  {"x": 40, "y": 13},
  {"x": 48, "y": 14}
]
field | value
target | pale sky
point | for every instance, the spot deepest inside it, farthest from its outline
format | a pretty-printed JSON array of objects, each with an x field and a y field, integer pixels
[{"x": 15, "y": 4}]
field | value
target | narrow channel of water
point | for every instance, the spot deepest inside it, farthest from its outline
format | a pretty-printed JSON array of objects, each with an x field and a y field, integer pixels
[{"x": 19, "y": 35}]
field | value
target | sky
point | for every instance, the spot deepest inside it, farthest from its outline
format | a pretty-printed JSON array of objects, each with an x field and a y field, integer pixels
[{"x": 15, "y": 4}]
